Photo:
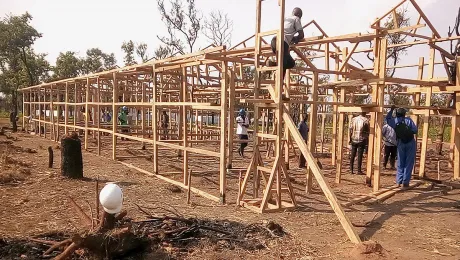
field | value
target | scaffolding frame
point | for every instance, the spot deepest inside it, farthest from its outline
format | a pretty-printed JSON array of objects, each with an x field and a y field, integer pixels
[{"x": 214, "y": 81}]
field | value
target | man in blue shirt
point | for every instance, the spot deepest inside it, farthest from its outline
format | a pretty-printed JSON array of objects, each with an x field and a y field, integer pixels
[{"x": 405, "y": 129}]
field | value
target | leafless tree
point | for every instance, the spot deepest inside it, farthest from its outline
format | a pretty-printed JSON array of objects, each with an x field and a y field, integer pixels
[
  {"x": 218, "y": 28},
  {"x": 182, "y": 22}
]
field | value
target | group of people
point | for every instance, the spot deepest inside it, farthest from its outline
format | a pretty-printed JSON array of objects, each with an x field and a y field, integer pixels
[{"x": 398, "y": 137}]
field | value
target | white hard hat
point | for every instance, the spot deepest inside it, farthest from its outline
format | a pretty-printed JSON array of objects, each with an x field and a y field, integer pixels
[{"x": 111, "y": 198}]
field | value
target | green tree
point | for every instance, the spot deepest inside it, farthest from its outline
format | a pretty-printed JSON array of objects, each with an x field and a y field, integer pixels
[
  {"x": 141, "y": 51},
  {"x": 128, "y": 49},
  {"x": 20, "y": 66},
  {"x": 163, "y": 52},
  {"x": 97, "y": 61},
  {"x": 68, "y": 65}
]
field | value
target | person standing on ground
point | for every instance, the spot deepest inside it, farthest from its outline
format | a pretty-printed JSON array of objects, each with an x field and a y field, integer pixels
[
  {"x": 303, "y": 129},
  {"x": 359, "y": 133},
  {"x": 292, "y": 26},
  {"x": 123, "y": 120},
  {"x": 165, "y": 125},
  {"x": 242, "y": 131},
  {"x": 391, "y": 146},
  {"x": 405, "y": 130}
]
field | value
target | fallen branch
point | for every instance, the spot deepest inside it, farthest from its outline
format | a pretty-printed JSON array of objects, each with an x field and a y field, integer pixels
[
  {"x": 68, "y": 251},
  {"x": 41, "y": 241},
  {"x": 82, "y": 214},
  {"x": 97, "y": 199},
  {"x": 367, "y": 224},
  {"x": 57, "y": 245},
  {"x": 91, "y": 213}
]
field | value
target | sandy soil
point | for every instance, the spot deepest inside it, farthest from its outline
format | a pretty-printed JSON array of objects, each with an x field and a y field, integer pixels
[{"x": 418, "y": 224}]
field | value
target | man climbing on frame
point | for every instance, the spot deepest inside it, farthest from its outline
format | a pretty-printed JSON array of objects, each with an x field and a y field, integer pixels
[
  {"x": 242, "y": 131},
  {"x": 359, "y": 133},
  {"x": 405, "y": 129},
  {"x": 391, "y": 146},
  {"x": 292, "y": 26},
  {"x": 303, "y": 130}
]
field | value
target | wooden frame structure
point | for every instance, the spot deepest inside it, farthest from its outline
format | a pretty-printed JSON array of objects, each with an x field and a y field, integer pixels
[{"x": 215, "y": 81}]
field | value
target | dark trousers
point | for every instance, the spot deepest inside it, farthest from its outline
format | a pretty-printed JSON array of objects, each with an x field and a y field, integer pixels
[
  {"x": 302, "y": 160},
  {"x": 357, "y": 147},
  {"x": 390, "y": 152},
  {"x": 288, "y": 61},
  {"x": 243, "y": 144}
]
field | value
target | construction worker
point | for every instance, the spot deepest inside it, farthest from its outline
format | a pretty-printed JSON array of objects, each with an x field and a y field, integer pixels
[
  {"x": 292, "y": 26},
  {"x": 303, "y": 129},
  {"x": 123, "y": 120},
  {"x": 165, "y": 124},
  {"x": 359, "y": 134},
  {"x": 405, "y": 129},
  {"x": 242, "y": 130},
  {"x": 391, "y": 146}
]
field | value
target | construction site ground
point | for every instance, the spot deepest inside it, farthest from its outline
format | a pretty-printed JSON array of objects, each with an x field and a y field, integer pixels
[{"x": 416, "y": 224}]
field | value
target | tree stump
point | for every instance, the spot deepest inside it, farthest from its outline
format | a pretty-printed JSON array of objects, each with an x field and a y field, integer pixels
[
  {"x": 71, "y": 157},
  {"x": 50, "y": 157}
]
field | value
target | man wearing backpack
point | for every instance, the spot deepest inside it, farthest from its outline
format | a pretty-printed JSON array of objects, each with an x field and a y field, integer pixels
[{"x": 405, "y": 129}]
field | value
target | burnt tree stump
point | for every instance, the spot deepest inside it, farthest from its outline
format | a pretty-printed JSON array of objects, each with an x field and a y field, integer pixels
[
  {"x": 50, "y": 157},
  {"x": 71, "y": 157}
]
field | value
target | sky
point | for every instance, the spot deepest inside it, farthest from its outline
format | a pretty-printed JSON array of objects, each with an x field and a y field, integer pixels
[{"x": 105, "y": 24}]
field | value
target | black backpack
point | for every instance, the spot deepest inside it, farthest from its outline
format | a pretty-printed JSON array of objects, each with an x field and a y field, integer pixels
[{"x": 403, "y": 132}]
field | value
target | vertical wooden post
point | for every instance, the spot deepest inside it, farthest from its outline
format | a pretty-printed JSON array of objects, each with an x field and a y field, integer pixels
[
  {"x": 280, "y": 106},
  {"x": 323, "y": 129},
  {"x": 98, "y": 115},
  {"x": 313, "y": 129},
  {"x": 231, "y": 118},
  {"x": 114, "y": 116},
  {"x": 335, "y": 95},
  {"x": 456, "y": 126},
  {"x": 51, "y": 114},
  {"x": 223, "y": 129},
  {"x": 340, "y": 138},
  {"x": 154, "y": 120},
  {"x": 426, "y": 118},
  {"x": 183, "y": 98},
  {"x": 86, "y": 112},
  {"x": 379, "y": 116},
  {"x": 416, "y": 102},
  {"x": 371, "y": 143},
  {"x": 58, "y": 97},
  {"x": 286, "y": 129},
  {"x": 75, "y": 112},
  {"x": 24, "y": 110},
  {"x": 257, "y": 81},
  {"x": 66, "y": 108}
]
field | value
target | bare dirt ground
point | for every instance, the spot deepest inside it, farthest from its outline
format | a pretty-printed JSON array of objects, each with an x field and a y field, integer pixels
[{"x": 418, "y": 224}]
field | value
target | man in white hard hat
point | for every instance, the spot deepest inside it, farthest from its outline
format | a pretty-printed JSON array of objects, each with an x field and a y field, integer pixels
[{"x": 111, "y": 198}]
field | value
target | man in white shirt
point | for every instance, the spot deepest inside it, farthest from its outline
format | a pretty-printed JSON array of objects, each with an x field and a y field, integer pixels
[
  {"x": 242, "y": 130},
  {"x": 292, "y": 26},
  {"x": 391, "y": 146}
]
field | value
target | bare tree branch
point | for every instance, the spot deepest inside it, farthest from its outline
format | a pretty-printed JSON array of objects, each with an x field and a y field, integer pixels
[
  {"x": 218, "y": 28},
  {"x": 180, "y": 19}
]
